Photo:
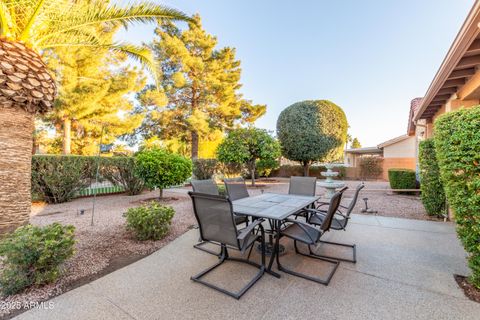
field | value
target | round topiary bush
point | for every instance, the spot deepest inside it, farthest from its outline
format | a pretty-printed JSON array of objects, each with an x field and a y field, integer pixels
[
  {"x": 433, "y": 195},
  {"x": 161, "y": 169},
  {"x": 402, "y": 178},
  {"x": 312, "y": 130},
  {"x": 457, "y": 142},
  {"x": 150, "y": 222}
]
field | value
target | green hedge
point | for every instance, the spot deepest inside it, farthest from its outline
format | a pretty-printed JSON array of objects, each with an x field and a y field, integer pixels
[
  {"x": 121, "y": 172},
  {"x": 204, "y": 168},
  {"x": 433, "y": 195},
  {"x": 32, "y": 255},
  {"x": 402, "y": 178},
  {"x": 457, "y": 142},
  {"x": 58, "y": 179}
]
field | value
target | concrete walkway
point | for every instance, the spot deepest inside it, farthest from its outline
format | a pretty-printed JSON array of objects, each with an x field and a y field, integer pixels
[{"x": 404, "y": 271}]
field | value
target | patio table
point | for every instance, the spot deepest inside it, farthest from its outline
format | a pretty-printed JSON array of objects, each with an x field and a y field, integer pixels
[{"x": 274, "y": 207}]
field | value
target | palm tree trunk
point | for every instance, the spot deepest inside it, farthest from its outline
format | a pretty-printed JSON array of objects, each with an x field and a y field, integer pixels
[
  {"x": 67, "y": 136},
  {"x": 15, "y": 167}
]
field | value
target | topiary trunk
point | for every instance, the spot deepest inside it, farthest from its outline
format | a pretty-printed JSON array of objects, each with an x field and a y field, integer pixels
[{"x": 26, "y": 88}]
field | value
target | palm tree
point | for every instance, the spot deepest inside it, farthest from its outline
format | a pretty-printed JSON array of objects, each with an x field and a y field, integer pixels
[{"x": 27, "y": 29}]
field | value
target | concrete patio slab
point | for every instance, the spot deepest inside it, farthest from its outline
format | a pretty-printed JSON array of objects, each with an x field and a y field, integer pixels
[{"x": 404, "y": 271}]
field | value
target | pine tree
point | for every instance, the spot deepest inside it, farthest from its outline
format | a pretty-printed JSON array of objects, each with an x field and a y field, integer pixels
[
  {"x": 92, "y": 99},
  {"x": 200, "y": 88},
  {"x": 356, "y": 143}
]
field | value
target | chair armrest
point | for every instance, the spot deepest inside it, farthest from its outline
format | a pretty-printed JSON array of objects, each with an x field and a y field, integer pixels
[
  {"x": 304, "y": 226},
  {"x": 248, "y": 230}
]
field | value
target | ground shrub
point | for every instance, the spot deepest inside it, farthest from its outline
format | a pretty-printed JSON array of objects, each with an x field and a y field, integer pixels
[
  {"x": 33, "y": 255},
  {"x": 371, "y": 167},
  {"x": 204, "y": 169},
  {"x": 161, "y": 169},
  {"x": 150, "y": 222},
  {"x": 121, "y": 172},
  {"x": 57, "y": 178},
  {"x": 402, "y": 178},
  {"x": 433, "y": 195},
  {"x": 457, "y": 143}
]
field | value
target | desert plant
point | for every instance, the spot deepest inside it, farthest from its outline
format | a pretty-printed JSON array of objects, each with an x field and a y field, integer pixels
[
  {"x": 371, "y": 167},
  {"x": 33, "y": 255},
  {"x": 204, "y": 168},
  {"x": 29, "y": 29},
  {"x": 58, "y": 178},
  {"x": 247, "y": 145},
  {"x": 150, "y": 222},
  {"x": 121, "y": 172},
  {"x": 161, "y": 169},
  {"x": 402, "y": 178},
  {"x": 312, "y": 130},
  {"x": 457, "y": 143},
  {"x": 433, "y": 195}
]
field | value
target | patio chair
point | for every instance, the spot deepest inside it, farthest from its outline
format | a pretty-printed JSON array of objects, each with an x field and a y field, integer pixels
[
  {"x": 339, "y": 222},
  {"x": 210, "y": 187},
  {"x": 236, "y": 188},
  {"x": 302, "y": 186},
  {"x": 215, "y": 218},
  {"x": 303, "y": 232}
]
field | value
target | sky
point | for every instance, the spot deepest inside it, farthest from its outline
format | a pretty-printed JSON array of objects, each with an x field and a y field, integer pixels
[{"x": 369, "y": 57}]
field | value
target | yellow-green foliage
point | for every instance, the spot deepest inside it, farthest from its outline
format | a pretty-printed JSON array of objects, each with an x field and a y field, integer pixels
[
  {"x": 457, "y": 143},
  {"x": 200, "y": 85},
  {"x": 150, "y": 222}
]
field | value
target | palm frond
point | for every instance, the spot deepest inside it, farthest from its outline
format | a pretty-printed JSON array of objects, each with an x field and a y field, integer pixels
[
  {"x": 31, "y": 20},
  {"x": 98, "y": 13},
  {"x": 4, "y": 19}
]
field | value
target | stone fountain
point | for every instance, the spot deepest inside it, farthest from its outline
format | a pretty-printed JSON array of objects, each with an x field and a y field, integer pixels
[{"x": 329, "y": 184}]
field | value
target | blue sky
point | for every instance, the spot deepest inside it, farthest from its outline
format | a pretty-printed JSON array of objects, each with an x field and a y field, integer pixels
[{"x": 369, "y": 57}]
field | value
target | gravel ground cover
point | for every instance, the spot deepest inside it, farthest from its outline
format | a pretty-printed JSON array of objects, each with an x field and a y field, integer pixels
[{"x": 107, "y": 246}]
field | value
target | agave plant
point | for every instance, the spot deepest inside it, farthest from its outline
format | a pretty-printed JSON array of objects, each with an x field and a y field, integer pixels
[{"x": 27, "y": 29}]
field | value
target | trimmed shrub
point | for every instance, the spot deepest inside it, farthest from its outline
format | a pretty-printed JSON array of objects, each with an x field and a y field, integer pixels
[
  {"x": 457, "y": 143},
  {"x": 312, "y": 130},
  {"x": 402, "y": 178},
  {"x": 221, "y": 189},
  {"x": 121, "y": 172},
  {"x": 433, "y": 195},
  {"x": 371, "y": 167},
  {"x": 204, "y": 168},
  {"x": 266, "y": 166},
  {"x": 150, "y": 222},
  {"x": 161, "y": 169},
  {"x": 33, "y": 255},
  {"x": 57, "y": 179}
]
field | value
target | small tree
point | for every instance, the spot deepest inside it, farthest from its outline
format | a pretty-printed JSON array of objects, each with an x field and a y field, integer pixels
[
  {"x": 355, "y": 144},
  {"x": 312, "y": 130},
  {"x": 246, "y": 146},
  {"x": 160, "y": 169},
  {"x": 265, "y": 166}
]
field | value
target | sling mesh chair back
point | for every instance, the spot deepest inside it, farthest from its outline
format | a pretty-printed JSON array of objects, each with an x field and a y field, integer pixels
[
  {"x": 205, "y": 186},
  {"x": 236, "y": 188},
  {"x": 305, "y": 233},
  {"x": 215, "y": 218},
  {"x": 339, "y": 222},
  {"x": 302, "y": 186},
  {"x": 210, "y": 187}
]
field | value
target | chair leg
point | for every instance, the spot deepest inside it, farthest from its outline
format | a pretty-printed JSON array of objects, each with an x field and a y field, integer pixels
[
  {"x": 325, "y": 281},
  {"x": 224, "y": 257},
  {"x": 199, "y": 246},
  {"x": 353, "y": 246}
]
